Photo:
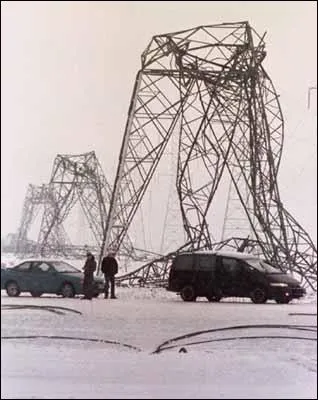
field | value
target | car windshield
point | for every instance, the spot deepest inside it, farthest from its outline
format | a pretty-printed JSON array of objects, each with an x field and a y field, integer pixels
[
  {"x": 263, "y": 266},
  {"x": 62, "y": 266}
]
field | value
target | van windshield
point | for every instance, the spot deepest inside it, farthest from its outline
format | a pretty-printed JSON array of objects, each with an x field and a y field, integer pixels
[{"x": 263, "y": 266}]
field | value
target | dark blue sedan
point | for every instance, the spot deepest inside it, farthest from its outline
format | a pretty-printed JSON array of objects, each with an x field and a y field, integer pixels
[{"x": 46, "y": 276}]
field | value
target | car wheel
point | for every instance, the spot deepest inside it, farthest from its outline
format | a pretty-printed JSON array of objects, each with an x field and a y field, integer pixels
[
  {"x": 258, "y": 296},
  {"x": 187, "y": 293},
  {"x": 96, "y": 294},
  {"x": 13, "y": 289},
  {"x": 282, "y": 300},
  {"x": 214, "y": 298},
  {"x": 67, "y": 290}
]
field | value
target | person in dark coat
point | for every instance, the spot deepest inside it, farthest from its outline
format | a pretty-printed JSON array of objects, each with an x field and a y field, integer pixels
[
  {"x": 110, "y": 269},
  {"x": 89, "y": 269}
]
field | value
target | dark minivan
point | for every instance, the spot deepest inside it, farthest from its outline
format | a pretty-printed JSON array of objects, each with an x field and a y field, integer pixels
[{"x": 219, "y": 274}]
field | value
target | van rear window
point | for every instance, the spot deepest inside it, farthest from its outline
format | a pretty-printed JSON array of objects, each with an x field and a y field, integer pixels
[{"x": 183, "y": 262}]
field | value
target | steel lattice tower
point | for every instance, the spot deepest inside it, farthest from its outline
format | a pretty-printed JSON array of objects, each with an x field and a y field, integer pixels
[
  {"x": 75, "y": 179},
  {"x": 37, "y": 197},
  {"x": 208, "y": 86}
]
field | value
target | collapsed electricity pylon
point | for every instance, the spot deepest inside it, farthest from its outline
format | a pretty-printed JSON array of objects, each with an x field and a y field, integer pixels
[
  {"x": 75, "y": 178},
  {"x": 208, "y": 86},
  {"x": 37, "y": 197}
]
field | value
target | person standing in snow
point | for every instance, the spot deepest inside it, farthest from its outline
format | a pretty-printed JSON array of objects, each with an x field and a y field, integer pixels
[
  {"x": 89, "y": 269},
  {"x": 110, "y": 269}
]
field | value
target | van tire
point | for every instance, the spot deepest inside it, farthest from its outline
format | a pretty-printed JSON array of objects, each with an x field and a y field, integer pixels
[
  {"x": 214, "y": 299},
  {"x": 187, "y": 293},
  {"x": 282, "y": 300},
  {"x": 259, "y": 296}
]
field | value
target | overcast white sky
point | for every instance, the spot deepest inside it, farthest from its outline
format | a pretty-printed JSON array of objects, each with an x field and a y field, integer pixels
[{"x": 68, "y": 69}]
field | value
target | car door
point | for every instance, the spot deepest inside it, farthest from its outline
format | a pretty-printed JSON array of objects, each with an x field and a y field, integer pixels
[
  {"x": 42, "y": 277},
  {"x": 55, "y": 279},
  {"x": 21, "y": 274}
]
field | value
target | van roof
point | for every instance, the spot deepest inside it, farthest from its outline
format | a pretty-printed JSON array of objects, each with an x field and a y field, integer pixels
[{"x": 233, "y": 254}]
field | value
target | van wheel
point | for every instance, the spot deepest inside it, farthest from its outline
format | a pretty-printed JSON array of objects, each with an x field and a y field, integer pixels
[
  {"x": 258, "y": 296},
  {"x": 282, "y": 300},
  {"x": 187, "y": 293},
  {"x": 214, "y": 298}
]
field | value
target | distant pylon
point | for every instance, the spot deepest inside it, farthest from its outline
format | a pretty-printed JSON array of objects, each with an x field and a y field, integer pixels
[
  {"x": 75, "y": 180},
  {"x": 37, "y": 197}
]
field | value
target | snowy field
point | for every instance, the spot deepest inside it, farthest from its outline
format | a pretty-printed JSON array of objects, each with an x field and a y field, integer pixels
[{"x": 127, "y": 348}]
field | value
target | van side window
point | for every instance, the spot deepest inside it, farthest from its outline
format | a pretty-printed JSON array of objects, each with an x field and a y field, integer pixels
[
  {"x": 231, "y": 266},
  {"x": 183, "y": 262},
  {"x": 206, "y": 262}
]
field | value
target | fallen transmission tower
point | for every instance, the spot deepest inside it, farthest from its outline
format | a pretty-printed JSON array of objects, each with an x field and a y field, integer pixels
[{"x": 208, "y": 86}]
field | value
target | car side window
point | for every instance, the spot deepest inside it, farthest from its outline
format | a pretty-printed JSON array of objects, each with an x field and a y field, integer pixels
[
  {"x": 41, "y": 267},
  {"x": 23, "y": 267}
]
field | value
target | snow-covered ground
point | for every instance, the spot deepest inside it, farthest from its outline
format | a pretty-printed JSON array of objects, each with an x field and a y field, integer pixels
[{"x": 124, "y": 348}]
